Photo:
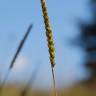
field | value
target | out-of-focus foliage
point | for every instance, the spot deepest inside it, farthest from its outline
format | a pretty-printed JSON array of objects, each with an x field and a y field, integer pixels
[{"x": 76, "y": 90}]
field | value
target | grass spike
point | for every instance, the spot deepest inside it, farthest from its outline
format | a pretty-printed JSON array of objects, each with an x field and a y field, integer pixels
[
  {"x": 50, "y": 41},
  {"x": 48, "y": 33},
  {"x": 16, "y": 55}
]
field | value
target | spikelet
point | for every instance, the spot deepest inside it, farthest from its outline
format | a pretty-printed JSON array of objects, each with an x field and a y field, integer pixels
[{"x": 48, "y": 33}]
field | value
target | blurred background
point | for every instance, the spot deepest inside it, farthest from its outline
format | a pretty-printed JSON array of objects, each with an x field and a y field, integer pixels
[{"x": 72, "y": 22}]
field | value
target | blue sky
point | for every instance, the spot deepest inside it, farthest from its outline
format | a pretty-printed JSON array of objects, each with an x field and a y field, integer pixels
[{"x": 17, "y": 15}]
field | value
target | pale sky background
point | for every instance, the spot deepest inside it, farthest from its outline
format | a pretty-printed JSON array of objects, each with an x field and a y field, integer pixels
[{"x": 15, "y": 17}]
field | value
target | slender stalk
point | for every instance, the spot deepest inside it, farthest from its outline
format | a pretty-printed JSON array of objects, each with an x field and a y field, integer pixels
[
  {"x": 50, "y": 40},
  {"x": 16, "y": 54},
  {"x": 31, "y": 81},
  {"x": 54, "y": 83}
]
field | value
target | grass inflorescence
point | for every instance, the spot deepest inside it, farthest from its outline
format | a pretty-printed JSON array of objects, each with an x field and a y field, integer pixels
[{"x": 49, "y": 36}]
